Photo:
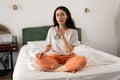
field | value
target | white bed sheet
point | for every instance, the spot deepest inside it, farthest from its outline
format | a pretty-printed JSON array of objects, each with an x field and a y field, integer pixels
[{"x": 101, "y": 66}]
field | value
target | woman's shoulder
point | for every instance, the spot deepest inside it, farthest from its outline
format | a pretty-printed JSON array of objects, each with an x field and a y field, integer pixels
[
  {"x": 72, "y": 30},
  {"x": 52, "y": 28}
]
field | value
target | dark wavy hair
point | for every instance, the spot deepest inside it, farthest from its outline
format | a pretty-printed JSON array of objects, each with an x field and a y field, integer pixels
[{"x": 69, "y": 22}]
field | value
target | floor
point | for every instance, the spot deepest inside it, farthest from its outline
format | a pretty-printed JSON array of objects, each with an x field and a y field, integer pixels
[{"x": 6, "y": 77}]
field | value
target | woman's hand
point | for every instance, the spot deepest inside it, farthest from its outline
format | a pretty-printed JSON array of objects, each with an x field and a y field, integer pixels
[
  {"x": 60, "y": 33},
  {"x": 40, "y": 55}
]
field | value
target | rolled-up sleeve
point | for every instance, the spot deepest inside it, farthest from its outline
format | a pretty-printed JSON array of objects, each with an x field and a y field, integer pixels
[
  {"x": 74, "y": 41},
  {"x": 48, "y": 38}
]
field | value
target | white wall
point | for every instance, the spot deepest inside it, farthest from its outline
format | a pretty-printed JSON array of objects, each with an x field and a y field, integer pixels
[
  {"x": 99, "y": 26},
  {"x": 118, "y": 30}
]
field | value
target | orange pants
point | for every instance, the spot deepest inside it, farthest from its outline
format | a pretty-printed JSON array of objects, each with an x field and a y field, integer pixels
[{"x": 72, "y": 62}]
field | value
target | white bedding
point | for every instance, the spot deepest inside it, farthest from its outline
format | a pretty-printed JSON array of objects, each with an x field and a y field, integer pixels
[{"x": 100, "y": 66}]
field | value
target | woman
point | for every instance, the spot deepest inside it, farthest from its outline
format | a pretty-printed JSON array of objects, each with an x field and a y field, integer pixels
[{"x": 60, "y": 42}]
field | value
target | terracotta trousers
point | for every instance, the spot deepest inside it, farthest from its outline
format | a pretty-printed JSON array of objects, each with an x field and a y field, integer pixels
[{"x": 72, "y": 62}]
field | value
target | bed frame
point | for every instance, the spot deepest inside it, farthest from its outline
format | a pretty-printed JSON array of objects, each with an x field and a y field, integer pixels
[{"x": 38, "y": 33}]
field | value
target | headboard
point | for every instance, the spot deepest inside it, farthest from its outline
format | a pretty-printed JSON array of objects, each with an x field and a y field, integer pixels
[{"x": 38, "y": 33}]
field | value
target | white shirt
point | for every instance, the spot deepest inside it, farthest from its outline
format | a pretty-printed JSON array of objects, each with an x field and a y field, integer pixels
[{"x": 57, "y": 44}]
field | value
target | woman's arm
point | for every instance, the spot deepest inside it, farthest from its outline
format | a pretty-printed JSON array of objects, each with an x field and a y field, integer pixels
[
  {"x": 47, "y": 48},
  {"x": 67, "y": 46},
  {"x": 40, "y": 54}
]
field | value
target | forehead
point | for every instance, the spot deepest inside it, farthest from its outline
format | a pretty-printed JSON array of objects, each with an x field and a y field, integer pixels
[{"x": 60, "y": 11}]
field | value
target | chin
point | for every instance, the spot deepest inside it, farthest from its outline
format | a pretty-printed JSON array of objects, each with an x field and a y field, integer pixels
[{"x": 61, "y": 23}]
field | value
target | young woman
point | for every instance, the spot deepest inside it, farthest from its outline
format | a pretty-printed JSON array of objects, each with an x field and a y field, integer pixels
[{"x": 60, "y": 42}]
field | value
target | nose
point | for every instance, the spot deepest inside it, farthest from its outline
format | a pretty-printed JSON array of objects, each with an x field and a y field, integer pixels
[{"x": 60, "y": 17}]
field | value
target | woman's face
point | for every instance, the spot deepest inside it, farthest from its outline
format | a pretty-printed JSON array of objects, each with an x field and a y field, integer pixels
[{"x": 61, "y": 17}]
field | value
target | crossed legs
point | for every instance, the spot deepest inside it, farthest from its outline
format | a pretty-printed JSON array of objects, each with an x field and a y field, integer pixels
[{"x": 72, "y": 64}]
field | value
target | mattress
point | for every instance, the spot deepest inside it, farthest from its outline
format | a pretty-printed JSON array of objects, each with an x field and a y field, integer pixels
[{"x": 100, "y": 65}]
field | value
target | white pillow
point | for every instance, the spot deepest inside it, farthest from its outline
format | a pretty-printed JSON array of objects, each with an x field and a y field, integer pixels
[
  {"x": 32, "y": 64},
  {"x": 34, "y": 47},
  {"x": 82, "y": 51},
  {"x": 36, "y": 44},
  {"x": 94, "y": 57}
]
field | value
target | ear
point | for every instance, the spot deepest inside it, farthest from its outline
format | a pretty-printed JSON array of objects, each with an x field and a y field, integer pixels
[{"x": 67, "y": 17}]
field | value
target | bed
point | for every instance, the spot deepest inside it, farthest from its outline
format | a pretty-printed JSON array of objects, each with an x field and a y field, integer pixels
[{"x": 100, "y": 65}]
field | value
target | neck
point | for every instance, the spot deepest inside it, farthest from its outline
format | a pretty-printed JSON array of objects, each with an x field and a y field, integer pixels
[{"x": 62, "y": 27}]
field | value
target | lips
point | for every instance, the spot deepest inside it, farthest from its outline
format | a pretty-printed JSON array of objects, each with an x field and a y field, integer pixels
[{"x": 60, "y": 20}]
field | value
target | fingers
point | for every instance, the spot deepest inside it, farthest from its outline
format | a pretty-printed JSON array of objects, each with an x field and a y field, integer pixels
[
  {"x": 60, "y": 33},
  {"x": 39, "y": 55}
]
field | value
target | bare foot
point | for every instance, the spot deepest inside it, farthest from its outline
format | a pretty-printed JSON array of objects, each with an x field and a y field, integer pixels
[
  {"x": 51, "y": 70},
  {"x": 60, "y": 69},
  {"x": 57, "y": 66}
]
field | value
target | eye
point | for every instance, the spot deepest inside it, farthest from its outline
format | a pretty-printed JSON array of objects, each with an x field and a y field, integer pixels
[
  {"x": 57, "y": 15},
  {"x": 62, "y": 14}
]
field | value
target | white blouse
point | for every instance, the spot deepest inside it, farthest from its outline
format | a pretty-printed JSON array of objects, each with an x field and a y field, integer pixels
[{"x": 57, "y": 44}]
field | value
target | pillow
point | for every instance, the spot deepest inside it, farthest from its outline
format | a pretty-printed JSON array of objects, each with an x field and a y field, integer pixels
[
  {"x": 34, "y": 47},
  {"x": 32, "y": 64},
  {"x": 36, "y": 44},
  {"x": 94, "y": 57}
]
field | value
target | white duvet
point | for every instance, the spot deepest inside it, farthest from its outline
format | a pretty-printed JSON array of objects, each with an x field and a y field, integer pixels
[
  {"x": 98, "y": 63},
  {"x": 94, "y": 57}
]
